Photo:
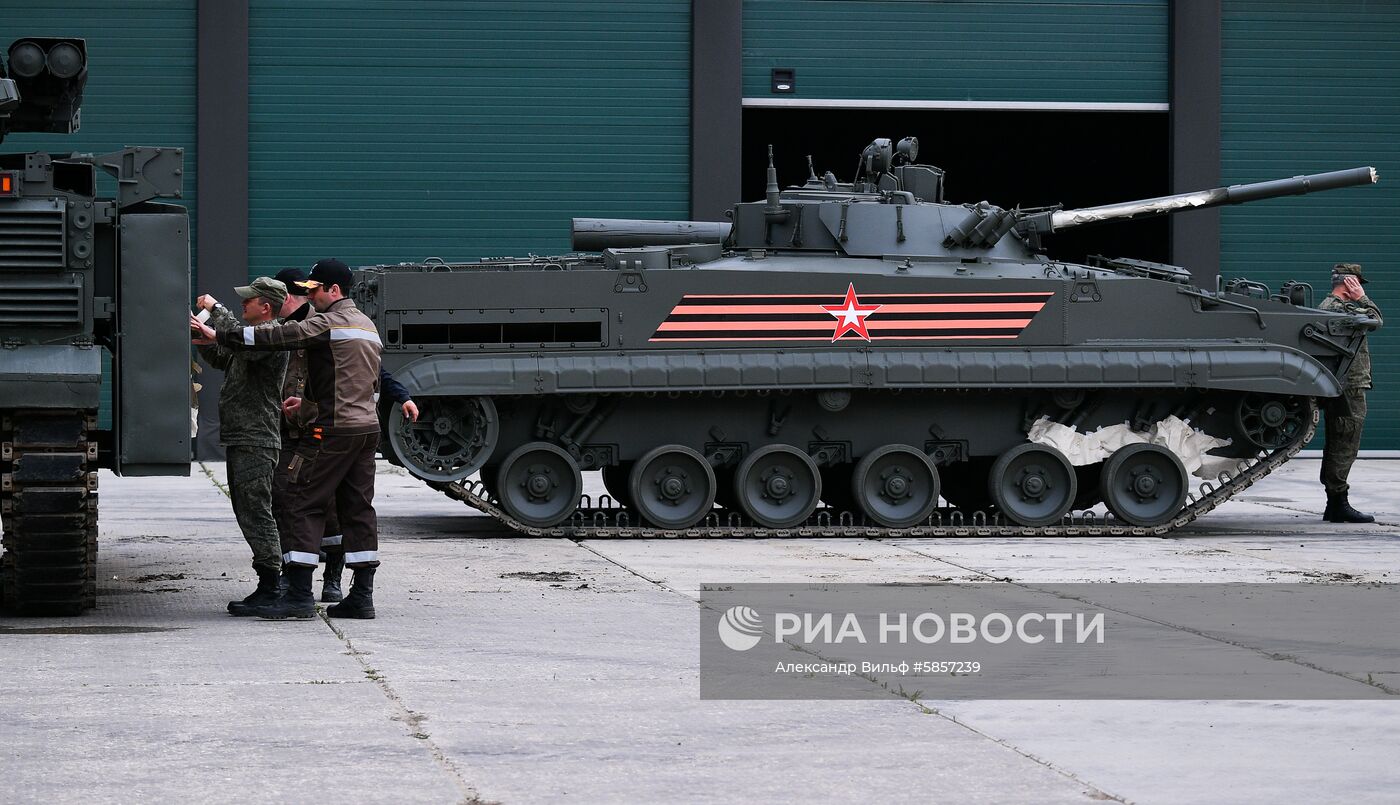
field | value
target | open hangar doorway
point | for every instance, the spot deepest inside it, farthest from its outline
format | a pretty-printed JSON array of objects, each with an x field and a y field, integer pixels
[{"x": 1009, "y": 158}]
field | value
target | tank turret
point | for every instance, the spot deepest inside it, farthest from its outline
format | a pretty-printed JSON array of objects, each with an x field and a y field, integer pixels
[{"x": 894, "y": 206}]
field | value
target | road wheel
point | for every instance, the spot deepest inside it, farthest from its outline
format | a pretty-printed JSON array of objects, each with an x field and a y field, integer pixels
[
  {"x": 777, "y": 486},
  {"x": 540, "y": 484},
  {"x": 896, "y": 486},
  {"x": 1144, "y": 484},
  {"x": 1033, "y": 485},
  {"x": 672, "y": 487}
]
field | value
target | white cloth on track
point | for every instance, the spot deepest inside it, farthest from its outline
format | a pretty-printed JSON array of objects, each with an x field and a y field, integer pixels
[{"x": 1189, "y": 444}]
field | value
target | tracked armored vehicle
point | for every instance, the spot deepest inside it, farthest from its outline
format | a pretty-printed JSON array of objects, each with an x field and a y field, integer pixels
[
  {"x": 84, "y": 273},
  {"x": 854, "y": 357}
]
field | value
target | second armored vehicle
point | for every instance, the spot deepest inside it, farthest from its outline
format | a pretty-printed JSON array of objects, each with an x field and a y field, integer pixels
[{"x": 854, "y": 358}]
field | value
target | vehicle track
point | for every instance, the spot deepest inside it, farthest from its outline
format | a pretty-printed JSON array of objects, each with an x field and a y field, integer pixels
[
  {"x": 607, "y": 520},
  {"x": 48, "y": 500}
]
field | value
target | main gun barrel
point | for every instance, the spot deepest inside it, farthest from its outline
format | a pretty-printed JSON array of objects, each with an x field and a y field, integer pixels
[
  {"x": 597, "y": 234},
  {"x": 1201, "y": 199}
]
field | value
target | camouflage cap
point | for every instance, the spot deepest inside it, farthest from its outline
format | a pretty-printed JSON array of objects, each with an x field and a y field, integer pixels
[
  {"x": 266, "y": 287},
  {"x": 1342, "y": 269}
]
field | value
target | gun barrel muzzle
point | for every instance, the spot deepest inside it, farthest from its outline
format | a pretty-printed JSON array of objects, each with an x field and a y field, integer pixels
[{"x": 1202, "y": 199}]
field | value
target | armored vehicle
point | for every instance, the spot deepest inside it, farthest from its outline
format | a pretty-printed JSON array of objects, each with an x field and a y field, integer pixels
[
  {"x": 84, "y": 274},
  {"x": 855, "y": 357}
]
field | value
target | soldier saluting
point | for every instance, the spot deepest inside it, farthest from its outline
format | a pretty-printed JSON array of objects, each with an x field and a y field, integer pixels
[{"x": 1347, "y": 414}]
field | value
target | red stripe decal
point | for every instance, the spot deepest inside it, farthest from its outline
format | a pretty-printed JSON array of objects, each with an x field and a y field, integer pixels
[
  {"x": 872, "y": 297},
  {"x": 874, "y": 317},
  {"x": 825, "y": 326},
  {"x": 952, "y": 307},
  {"x": 828, "y": 340}
]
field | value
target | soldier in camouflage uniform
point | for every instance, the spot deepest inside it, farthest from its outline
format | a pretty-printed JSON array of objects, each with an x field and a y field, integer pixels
[
  {"x": 336, "y": 466},
  {"x": 249, "y": 410},
  {"x": 1346, "y": 414}
]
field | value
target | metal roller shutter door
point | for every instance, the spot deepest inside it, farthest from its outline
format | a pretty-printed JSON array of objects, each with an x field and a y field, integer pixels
[
  {"x": 387, "y": 131},
  {"x": 1050, "y": 50},
  {"x": 1310, "y": 87}
]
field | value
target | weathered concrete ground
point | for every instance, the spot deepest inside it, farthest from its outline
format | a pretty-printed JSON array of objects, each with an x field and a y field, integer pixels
[{"x": 536, "y": 670}]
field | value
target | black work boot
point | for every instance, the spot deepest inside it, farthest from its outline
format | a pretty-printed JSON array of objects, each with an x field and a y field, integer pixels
[
  {"x": 297, "y": 602},
  {"x": 1339, "y": 510},
  {"x": 360, "y": 602},
  {"x": 265, "y": 594},
  {"x": 282, "y": 581},
  {"x": 330, "y": 583}
]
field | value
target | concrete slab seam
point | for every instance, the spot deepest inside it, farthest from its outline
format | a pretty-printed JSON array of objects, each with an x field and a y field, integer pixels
[
  {"x": 409, "y": 719},
  {"x": 215, "y": 481},
  {"x": 1266, "y": 654},
  {"x": 1094, "y": 791},
  {"x": 1258, "y": 557}
]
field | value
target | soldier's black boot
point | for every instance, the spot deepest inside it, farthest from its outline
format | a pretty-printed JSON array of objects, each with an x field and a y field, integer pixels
[
  {"x": 297, "y": 602},
  {"x": 1339, "y": 510},
  {"x": 265, "y": 594},
  {"x": 282, "y": 581},
  {"x": 360, "y": 602},
  {"x": 330, "y": 583}
]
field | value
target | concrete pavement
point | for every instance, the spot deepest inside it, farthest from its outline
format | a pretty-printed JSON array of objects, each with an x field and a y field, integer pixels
[{"x": 538, "y": 670}]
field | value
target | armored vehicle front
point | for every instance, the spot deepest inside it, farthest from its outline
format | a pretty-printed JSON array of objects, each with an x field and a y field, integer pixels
[{"x": 83, "y": 272}]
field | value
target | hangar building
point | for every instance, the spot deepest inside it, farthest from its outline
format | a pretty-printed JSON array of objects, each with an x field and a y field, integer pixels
[{"x": 389, "y": 130}]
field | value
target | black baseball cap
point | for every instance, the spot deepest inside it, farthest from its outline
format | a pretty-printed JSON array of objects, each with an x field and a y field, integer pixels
[
  {"x": 290, "y": 277},
  {"x": 329, "y": 272}
]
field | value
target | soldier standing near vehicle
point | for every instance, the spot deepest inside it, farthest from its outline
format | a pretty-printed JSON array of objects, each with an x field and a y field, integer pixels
[
  {"x": 1347, "y": 414},
  {"x": 297, "y": 308},
  {"x": 333, "y": 464},
  {"x": 248, "y": 414}
]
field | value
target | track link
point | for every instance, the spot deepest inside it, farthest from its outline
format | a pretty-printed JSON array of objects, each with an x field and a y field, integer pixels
[
  {"x": 607, "y": 520},
  {"x": 48, "y": 502}
]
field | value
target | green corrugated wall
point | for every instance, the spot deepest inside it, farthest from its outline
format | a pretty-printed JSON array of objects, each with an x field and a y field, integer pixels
[
  {"x": 140, "y": 88},
  {"x": 1309, "y": 87},
  {"x": 386, "y": 130},
  {"x": 1047, "y": 50},
  {"x": 390, "y": 130}
]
